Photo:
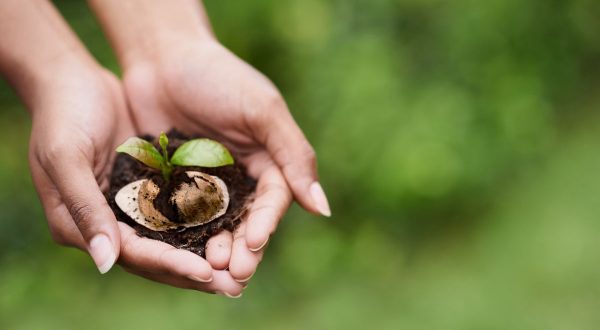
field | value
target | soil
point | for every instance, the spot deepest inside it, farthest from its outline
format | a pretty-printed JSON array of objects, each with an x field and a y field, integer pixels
[{"x": 240, "y": 186}]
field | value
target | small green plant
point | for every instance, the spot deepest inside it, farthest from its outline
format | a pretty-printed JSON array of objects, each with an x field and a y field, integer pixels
[{"x": 197, "y": 152}]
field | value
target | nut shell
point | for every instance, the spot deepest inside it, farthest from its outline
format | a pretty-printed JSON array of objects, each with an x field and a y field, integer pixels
[
  {"x": 198, "y": 202},
  {"x": 202, "y": 200}
]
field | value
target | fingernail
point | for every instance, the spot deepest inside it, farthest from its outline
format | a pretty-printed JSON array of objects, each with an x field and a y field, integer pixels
[
  {"x": 318, "y": 196},
  {"x": 232, "y": 296},
  {"x": 228, "y": 295},
  {"x": 260, "y": 247},
  {"x": 246, "y": 279},
  {"x": 199, "y": 279},
  {"x": 102, "y": 251}
]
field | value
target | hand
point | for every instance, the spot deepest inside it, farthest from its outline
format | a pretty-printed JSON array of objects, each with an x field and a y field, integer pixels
[
  {"x": 200, "y": 87},
  {"x": 78, "y": 120},
  {"x": 79, "y": 116}
]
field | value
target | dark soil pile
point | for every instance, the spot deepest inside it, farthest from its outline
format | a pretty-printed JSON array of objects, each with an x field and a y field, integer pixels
[{"x": 241, "y": 191}]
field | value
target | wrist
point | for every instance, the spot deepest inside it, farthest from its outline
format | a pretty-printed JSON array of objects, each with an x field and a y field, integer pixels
[
  {"x": 171, "y": 53},
  {"x": 33, "y": 73},
  {"x": 162, "y": 47},
  {"x": 141, "y": 31},
  {"x": 37, "y": 42},
  {"x": 54, "y": 78}
]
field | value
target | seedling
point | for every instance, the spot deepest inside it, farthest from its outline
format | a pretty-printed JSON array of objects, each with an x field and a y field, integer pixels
[
  {"x": 195, "y": 204},
  {"x": 197, "y": 152}
]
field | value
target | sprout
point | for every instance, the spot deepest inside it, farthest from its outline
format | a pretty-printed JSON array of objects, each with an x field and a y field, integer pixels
[{"x": 197, "y": 152}]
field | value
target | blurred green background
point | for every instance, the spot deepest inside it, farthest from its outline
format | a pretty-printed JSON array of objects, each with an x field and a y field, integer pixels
[{"x": 457, "y": 141}]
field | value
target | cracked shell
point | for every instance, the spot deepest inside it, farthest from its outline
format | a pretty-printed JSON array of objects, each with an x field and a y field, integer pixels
[{"x": 198, "y": 202}]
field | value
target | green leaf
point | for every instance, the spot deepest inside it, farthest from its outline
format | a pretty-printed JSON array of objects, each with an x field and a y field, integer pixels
[
  {"x": 143, "y": 151},
  {"x": 202, "y": 152}
]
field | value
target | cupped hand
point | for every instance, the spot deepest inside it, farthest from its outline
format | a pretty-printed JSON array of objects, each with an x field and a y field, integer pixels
[
  {"x": 202, "y": 88},
  {"x": 79, "y": 116}
]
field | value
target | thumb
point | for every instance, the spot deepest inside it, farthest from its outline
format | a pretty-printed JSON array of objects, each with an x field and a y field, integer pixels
[
  {"x": 297, "y": 159},
  {"x": 81, "y": 194}
]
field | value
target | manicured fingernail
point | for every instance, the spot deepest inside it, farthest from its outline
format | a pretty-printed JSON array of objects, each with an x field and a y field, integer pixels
[
  {"x": 102, "y": 251},
  {"x": 245, "y": 280},
  {"x": 200, "y": 279},
  {"x": 228, "y": 295},
  {"x": 232, "y": 296},
  {"x": 318, "y": 196},
  {"x": 260, "y": 247}
]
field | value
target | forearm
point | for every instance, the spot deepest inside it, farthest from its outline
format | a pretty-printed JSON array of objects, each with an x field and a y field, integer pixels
[
  {"x": 35, "y": 43},
  {"x": 140, "y": 30}
]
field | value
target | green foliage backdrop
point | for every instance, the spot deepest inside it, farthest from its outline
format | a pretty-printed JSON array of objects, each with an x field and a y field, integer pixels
[{"x": 456, "y": 140}]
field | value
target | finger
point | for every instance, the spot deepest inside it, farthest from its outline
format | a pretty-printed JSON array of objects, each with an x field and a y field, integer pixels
[
  {"x": 272, "y": 200},
  {"x": 296, "y": 158},
  {"x": 61, "y": 225},
  {"x": 222, "y": 283},
  {"x": 62, "y": 228},
  {"x": 156, "y": 257},
  {"x": 72, "y": 175},
  {"x": 243, "y": 262},
  {"x": 218, "y": 250}
]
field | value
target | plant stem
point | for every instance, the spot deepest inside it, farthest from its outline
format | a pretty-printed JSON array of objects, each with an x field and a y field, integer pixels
[
  {"x": 166, "y": 167},
  {"x": 166, "y": 170}
]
